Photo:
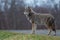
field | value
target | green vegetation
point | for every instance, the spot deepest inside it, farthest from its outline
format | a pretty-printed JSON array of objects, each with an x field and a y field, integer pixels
[
  {"x": 4, "y": 34},
  {"x": 19, "y": 36}
]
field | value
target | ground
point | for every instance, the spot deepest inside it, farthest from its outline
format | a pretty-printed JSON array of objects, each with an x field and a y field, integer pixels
[{"x": 11, "y": 35}]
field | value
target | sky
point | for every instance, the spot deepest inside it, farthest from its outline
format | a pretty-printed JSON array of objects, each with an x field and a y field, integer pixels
[
  {"x": 39, "y": 2},
  {"x": 34, "y": 3}
]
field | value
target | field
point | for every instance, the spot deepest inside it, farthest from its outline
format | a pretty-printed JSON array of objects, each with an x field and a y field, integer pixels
[{"x": 20, "y": 36}]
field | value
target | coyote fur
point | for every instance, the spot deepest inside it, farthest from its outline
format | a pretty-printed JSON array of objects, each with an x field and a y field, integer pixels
[{"x": 46, "y": 19}]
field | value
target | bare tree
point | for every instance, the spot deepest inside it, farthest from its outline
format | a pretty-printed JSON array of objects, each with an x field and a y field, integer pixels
[
  {"x": 12, "y": 12},
  {"x": 6, "y": 14},
  {"x": 1, "y": 15}
]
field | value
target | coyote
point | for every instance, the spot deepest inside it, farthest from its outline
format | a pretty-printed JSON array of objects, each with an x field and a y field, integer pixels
[{"x": 42, "y": 19}]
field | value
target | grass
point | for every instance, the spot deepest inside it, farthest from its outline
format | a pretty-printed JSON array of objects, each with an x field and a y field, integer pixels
[
  {"x": 4, "y": 34},
  {"x": 19, "y": 36}
]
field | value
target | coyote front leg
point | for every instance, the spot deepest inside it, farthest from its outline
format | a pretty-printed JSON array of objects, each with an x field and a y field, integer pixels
[{"x": 33, "y": 28}]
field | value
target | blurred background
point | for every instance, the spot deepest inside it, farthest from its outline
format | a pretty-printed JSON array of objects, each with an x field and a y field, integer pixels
[{"x": 12, "y": 13}]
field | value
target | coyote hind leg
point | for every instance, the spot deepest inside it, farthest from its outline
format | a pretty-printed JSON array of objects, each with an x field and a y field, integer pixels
[
  {"x": 54, "y": 31},
  {"x": 49, "y": 32}
]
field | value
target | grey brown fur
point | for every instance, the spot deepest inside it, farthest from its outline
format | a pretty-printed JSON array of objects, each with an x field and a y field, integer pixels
[{"x": 38, "y": 18}]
